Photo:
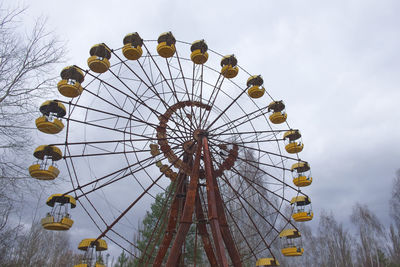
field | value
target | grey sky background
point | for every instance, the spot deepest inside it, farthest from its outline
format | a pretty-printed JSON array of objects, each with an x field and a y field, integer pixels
[{"x": 334, "y": 63}]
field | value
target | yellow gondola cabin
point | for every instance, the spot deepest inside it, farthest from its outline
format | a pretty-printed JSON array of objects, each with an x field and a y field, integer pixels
[
  {"x": 255, "y": 85},
  {"x": 132, "y": 49},
  {"x": 199, "y": 53},
  {"x": 278, "y": 112},
  {"x": 166, "y": 45},
  {"x": 45, "y": 168},
  {"x": 293, "y": 143},
  {"x": 58, "y": 218},
  {"x": 302, "y": 209},
  {"x": 50, "y": 121},
  {"x": 301, "y": 174},
  {"x": 93, "y": 249},
  {"x": 71, "y": 83},
  {"x": 99, "y": 58},
  {"x": 291, "y": 242},
  {"x": 229, "y": 66}
]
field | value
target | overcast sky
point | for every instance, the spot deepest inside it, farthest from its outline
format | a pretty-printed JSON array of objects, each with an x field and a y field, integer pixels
[{"x": 335, "y": 64}]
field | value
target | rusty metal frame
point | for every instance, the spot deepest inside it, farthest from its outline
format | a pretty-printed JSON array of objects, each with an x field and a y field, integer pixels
[
  {"x": 221, "y": 235},
  {"x": 185, "y": 204},
  {"x": 217, "y": 218},
  {"x": 187, "y": 216}
]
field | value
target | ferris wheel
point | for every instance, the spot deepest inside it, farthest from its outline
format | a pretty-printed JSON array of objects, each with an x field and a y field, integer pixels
[{"x": 178, "y": 120}]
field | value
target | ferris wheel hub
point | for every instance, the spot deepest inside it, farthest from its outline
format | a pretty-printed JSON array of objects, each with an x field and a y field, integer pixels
[{"x": 199, "y": 133}]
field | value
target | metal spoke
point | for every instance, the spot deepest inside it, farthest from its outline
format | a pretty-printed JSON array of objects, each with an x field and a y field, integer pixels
[{"x": 229, "y": 176}]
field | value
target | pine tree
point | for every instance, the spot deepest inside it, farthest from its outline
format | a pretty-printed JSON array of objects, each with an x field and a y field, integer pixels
[
  {"x": 123, "y": 261},
  {"x": 152, "y": 229}
]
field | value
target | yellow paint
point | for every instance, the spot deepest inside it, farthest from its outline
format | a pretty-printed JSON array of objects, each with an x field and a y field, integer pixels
[
  {"x": 61, "y": 198},
  {"x": 303, "y": 216},
  {"x": 69, "y": 90},
  {"x": 42, "y": 174},
  {"x": 48, "y": 223},
  {"x": 166, "y": 51},
  {"x": 100, "y": 244},
  {"x": 51, "y": 151},
  {"x": 292, "y": 251},
  {"x": 229, "y": 72},
  {"x": 49, "y": 127},
  {"x": 198, "y": 57},
  {"x": 131, "y": 52},
  {"x": 97, "y": 64},
  {"x": 302, "y": 181},
  {"x": 267, "y": 262},
  {"x": 294, "y": 147},
  {"x": 256, "y": 91},
  {"x": 278, "y": 117}
]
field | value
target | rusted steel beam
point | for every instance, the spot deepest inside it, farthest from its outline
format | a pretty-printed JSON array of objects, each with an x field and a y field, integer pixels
[
  {"x": 173, "y": 215},
  {"x": 212, "y": 207},
  {"x": 186, "y": 219},
  {"x": 172, "y": 220},
  {"x": 226, "y": 233},
  {"x": 201, "y": 225},
  {"x": 183, "y": 193}
]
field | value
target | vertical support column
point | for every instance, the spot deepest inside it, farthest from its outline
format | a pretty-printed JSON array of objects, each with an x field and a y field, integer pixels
[
  {"x": 172, "y": 220},
  {"x": 201, "y": 224},
  {"x": 212, "y": 207},
  {"x": 188, "y": 210},
  {"x": 226, "y": 233}
]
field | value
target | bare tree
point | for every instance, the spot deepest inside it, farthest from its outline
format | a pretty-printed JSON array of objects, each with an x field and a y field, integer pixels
[
  {"x": 311, "y": 247},
  {"x": 38, "y": 247},
  {"x": 395, "y": 200},
  {"x": 371, "y": 234},
  {"x": 394, "y": 233},
  {"x": 25, "y": 64},
  {"x": 334, "y": 243},
  {"x": 27, "y": 61}
]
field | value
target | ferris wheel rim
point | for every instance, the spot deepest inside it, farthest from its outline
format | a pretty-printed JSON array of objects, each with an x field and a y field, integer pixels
[{"x": 74, "y": 105}]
